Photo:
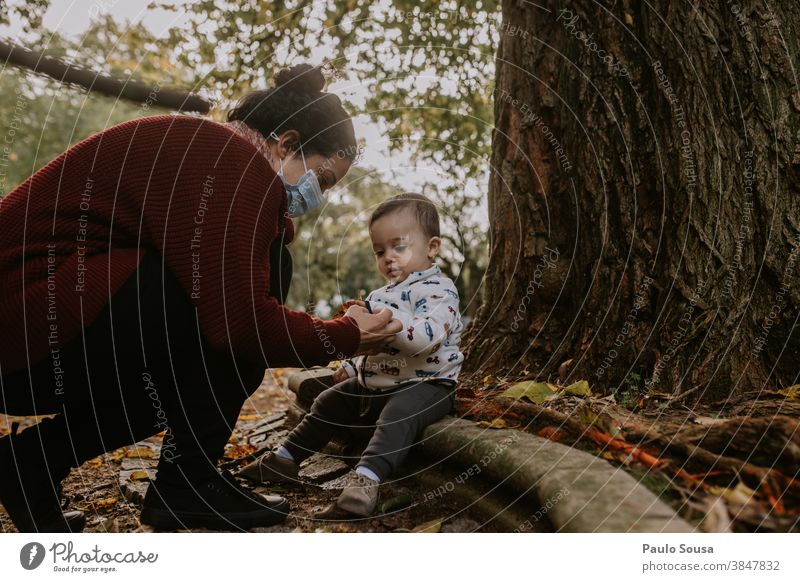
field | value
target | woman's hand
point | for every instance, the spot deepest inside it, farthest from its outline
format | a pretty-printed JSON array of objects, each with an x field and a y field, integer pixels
[{"x": 377, "y": 329}]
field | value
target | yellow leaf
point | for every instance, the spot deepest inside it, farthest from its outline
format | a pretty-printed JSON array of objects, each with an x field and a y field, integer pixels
[
  {"x": 536, "y": 392},
  {"x": 140, "y": 476},
  {"x": 104, "y": 503},
  {"x": 741, "y": 494},
  {"x": 792, "y": 392},
  {"x": 495, "y": 423},
  {"x": 96, "y": 462},
  {"x": 628, "y": 19},
  {"x": 140, "y": 453},
  {"x": 579, "y": 388},
  {"x": 238, "y": 451},
  {"x": 248, "y": 417},
  {"x": 488, "y": 379}
]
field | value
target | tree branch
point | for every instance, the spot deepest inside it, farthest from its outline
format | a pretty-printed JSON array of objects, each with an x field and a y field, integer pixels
[{"x": 91, "y": 81}]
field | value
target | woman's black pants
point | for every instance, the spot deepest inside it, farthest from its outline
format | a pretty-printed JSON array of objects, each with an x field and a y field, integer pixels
[{"x": 140, "y": 368}]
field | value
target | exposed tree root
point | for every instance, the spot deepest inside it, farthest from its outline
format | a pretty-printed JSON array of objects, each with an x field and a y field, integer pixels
[{"x": 751, "y": 460}]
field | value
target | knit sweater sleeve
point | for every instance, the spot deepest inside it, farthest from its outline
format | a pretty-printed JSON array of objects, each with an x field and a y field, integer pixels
[{"x": 217, "y": 242}]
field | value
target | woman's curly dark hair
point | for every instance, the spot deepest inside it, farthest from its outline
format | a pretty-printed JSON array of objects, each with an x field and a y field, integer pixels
[{"x": 298, "y": 102}]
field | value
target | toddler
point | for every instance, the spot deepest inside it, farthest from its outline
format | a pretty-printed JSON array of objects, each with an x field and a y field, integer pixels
[{"x": 402, "y": 390}]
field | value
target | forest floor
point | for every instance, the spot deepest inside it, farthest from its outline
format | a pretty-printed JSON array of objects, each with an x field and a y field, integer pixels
[
  {"x": 723, "y": 466},
  {"x": 730, "y": 466},
  {"x": 109, "y": 488}
]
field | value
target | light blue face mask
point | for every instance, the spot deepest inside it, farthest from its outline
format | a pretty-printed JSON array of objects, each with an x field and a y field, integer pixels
[{"x": 306, "y": 194}]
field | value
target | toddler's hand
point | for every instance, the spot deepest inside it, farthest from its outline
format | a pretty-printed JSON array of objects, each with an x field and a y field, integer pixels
[
  {"x": 346, "y": 305},
  {"x": 377, "y": 329},
  {"x": 340, "y": 375}
]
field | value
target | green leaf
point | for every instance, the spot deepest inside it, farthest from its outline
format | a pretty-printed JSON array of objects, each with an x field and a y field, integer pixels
[
  {"x": 602, "y": 421},
  {"x": 536, "y": 392},
  {"x": 397, "y": 502},
  {"x": 579, "y": 388}
]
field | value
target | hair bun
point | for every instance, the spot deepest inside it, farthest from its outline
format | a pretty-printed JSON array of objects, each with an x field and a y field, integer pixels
[{"x": 303, "y": 78}]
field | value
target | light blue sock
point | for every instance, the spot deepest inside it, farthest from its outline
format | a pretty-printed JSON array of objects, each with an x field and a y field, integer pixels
[
  {"x": 284, "y": 452},
  {"x": 369, "y": 473}
]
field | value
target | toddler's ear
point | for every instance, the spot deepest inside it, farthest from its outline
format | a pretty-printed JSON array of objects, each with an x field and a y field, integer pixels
[{"x": 434, "y": 244}]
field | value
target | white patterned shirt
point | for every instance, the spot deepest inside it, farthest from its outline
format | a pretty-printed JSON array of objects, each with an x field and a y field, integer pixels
[{"x": 426, "y": 303}]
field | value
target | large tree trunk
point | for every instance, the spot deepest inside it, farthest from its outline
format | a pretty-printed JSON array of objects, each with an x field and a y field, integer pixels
[{"x": 661, "y": 248}]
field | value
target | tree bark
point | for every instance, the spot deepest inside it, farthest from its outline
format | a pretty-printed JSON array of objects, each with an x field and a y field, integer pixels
[
  {"x": 126, "y": 89},
  {"x": 644, "y": 197}
]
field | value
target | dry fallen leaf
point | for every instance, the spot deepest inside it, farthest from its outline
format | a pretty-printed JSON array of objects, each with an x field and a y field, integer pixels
[
  {"x": 550, "y": 432},
  {"x": 140, "y": 453},
  {"x": 495, "y": 423},
  {"x": 238, "y": 451},
  {"x": 104, "y": 503},
  {"x": 792, "y": 392},
  {"x": 741, "y": 494},
  {"x": 116, "y": 456},
  {"x": 536, "y": 392},
  {"x": 96, "y": 462},
  {"x": 140, "y": 475},
  {"x": 579, "y": 388}
]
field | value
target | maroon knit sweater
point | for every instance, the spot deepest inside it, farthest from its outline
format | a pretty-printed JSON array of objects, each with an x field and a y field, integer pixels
[{"x": 190, "y": 188}]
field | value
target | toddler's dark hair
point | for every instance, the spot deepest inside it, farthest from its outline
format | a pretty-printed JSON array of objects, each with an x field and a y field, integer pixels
[{"x": 425, "y": 210}]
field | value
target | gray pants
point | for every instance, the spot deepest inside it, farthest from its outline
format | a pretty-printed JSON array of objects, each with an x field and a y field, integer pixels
[{"x": 397, "y": 418}]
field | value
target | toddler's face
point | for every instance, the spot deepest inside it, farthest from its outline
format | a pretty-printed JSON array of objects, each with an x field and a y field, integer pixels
[{"x": 400, "y": 245}]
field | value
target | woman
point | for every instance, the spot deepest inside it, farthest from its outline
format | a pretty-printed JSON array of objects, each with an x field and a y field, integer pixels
[{"x": 143, "y": 275}]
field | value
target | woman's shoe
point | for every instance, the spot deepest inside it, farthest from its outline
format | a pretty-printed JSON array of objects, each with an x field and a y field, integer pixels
[
  {"x": 218, "y": 503},
  {"x": 271, "y": 468},
  {"x": 27, "y": 489}
]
